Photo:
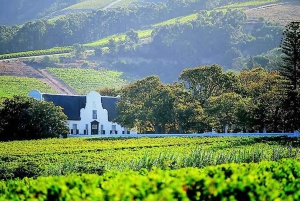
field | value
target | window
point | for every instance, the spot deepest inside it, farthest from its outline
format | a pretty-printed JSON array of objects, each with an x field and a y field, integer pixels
[
  {"x": 94, "y": 126},
  {"x": 74, "y": 129},
  {"x": 101, "y": 129},
  {"x": 94, "y": 114},
  {"x": 86, "y": 129}
]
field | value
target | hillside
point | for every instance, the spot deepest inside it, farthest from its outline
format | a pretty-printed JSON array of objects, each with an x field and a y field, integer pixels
[
  {"x": 10, "y": 86},
  {"x": 160, "y": 39},
  {"x": 18, "y": 70},
  {"x": 21, "y": 11}
]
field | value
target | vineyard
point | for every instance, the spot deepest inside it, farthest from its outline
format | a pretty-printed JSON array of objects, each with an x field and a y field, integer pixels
[
  {"x": 207, "y": 168},
  {"x": 55, "y": 50},
  {"x": 10, "y": 86},
  {"x": 263, "y": 181},
  {"x": 86, "y": 80}
]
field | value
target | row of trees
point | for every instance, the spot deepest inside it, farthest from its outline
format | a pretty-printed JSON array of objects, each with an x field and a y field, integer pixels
[{"x": 207, "y": 97}]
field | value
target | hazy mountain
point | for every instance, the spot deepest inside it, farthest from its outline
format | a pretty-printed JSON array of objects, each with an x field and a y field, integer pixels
[{"x": 20, "y": 11}]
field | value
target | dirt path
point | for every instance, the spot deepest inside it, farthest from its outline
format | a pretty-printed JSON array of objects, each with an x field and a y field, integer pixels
[{"x": 56, "y": 84}]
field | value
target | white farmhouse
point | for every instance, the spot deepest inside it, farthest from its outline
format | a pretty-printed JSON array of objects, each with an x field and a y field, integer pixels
[{"x": 89, "y": 115}]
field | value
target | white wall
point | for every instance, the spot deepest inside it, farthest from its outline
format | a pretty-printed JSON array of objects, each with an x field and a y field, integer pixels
[{"x": 93, "y": 102}]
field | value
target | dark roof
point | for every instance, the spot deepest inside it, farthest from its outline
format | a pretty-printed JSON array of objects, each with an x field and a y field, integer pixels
[
  {"x": 72, "y": 104},
  {"x": 109, "y": 103}
]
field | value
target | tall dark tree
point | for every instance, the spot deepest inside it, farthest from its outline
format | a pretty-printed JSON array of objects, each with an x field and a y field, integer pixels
[{"x": 290, "y": 48}]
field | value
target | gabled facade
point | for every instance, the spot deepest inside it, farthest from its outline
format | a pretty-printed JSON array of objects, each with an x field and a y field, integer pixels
[{"x": 89, "y": 115}]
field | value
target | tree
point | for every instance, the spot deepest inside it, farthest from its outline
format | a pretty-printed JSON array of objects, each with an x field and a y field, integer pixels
[
  {"x": 112, "y": 45},
  {"x": 207, "y": 81},
  {"x": 290, "y": 70},
  {"x": 263, "y": 89},
  {"x": 187, "y": 111},
  {"x": 132, "y": 36},
  {"x": 27, "y": 118},
  {"x": 223, "y": 109},
  {"x": 109, "y": 91},
  {"x": 78, "y": 50},
  {"x": 139, "y": 103}
]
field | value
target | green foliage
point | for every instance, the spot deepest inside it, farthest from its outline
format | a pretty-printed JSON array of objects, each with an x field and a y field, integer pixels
[
  {"x": 78, "y": 155},
  {"x": 78, "y": 50},
  {"x": 263, "y": 181},
  {"x": 55, "y": 50},
  {"x": 150, "y": 103},
  {"x": 177, "y": 20},
  {"x": 86, "y": 80},
  {"x": 290, "y": 48},
  {"x": 105, "y": 41},
  {"x": 207, "y": 81},
  {"x": 109, "y": 91},
  {"x": 27, "y": 118},
  {"x": 10, "y": 86},
  {"x": 28, "y": 169},
  {"x": 208, "y": 98}
]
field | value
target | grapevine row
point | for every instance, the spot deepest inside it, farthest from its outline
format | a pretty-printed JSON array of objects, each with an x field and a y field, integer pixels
[
  {"x": 55, "y": 50},
  {"x": 263, "y": 181},
  {"x": 67, "y": 156}
]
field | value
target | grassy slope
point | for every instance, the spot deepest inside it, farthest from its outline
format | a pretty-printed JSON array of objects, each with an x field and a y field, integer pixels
[
  {"x": 10, "y": 86},
  {"x": 89, "y": 4},
  {"x": 124, "y": 3},
  {"x": 85, "y": 80}
]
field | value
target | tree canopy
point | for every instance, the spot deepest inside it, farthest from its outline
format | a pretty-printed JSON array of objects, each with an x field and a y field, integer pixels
[
  {"x": 27, "y": 118},
  {"x": 207, "y": 98}
]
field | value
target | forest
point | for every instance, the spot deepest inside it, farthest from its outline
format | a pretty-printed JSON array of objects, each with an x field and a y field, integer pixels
[{"x": 213, "y": 37}]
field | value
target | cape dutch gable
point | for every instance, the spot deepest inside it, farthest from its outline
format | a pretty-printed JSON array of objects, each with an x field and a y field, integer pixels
[{"x": 90, "y": 115}]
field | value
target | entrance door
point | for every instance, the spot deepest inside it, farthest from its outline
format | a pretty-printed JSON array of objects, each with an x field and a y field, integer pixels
[{"x": 94, "y": 127}]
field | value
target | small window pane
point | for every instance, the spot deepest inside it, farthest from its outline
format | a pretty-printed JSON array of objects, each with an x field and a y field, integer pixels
[{"x": 94, "y": 114}]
